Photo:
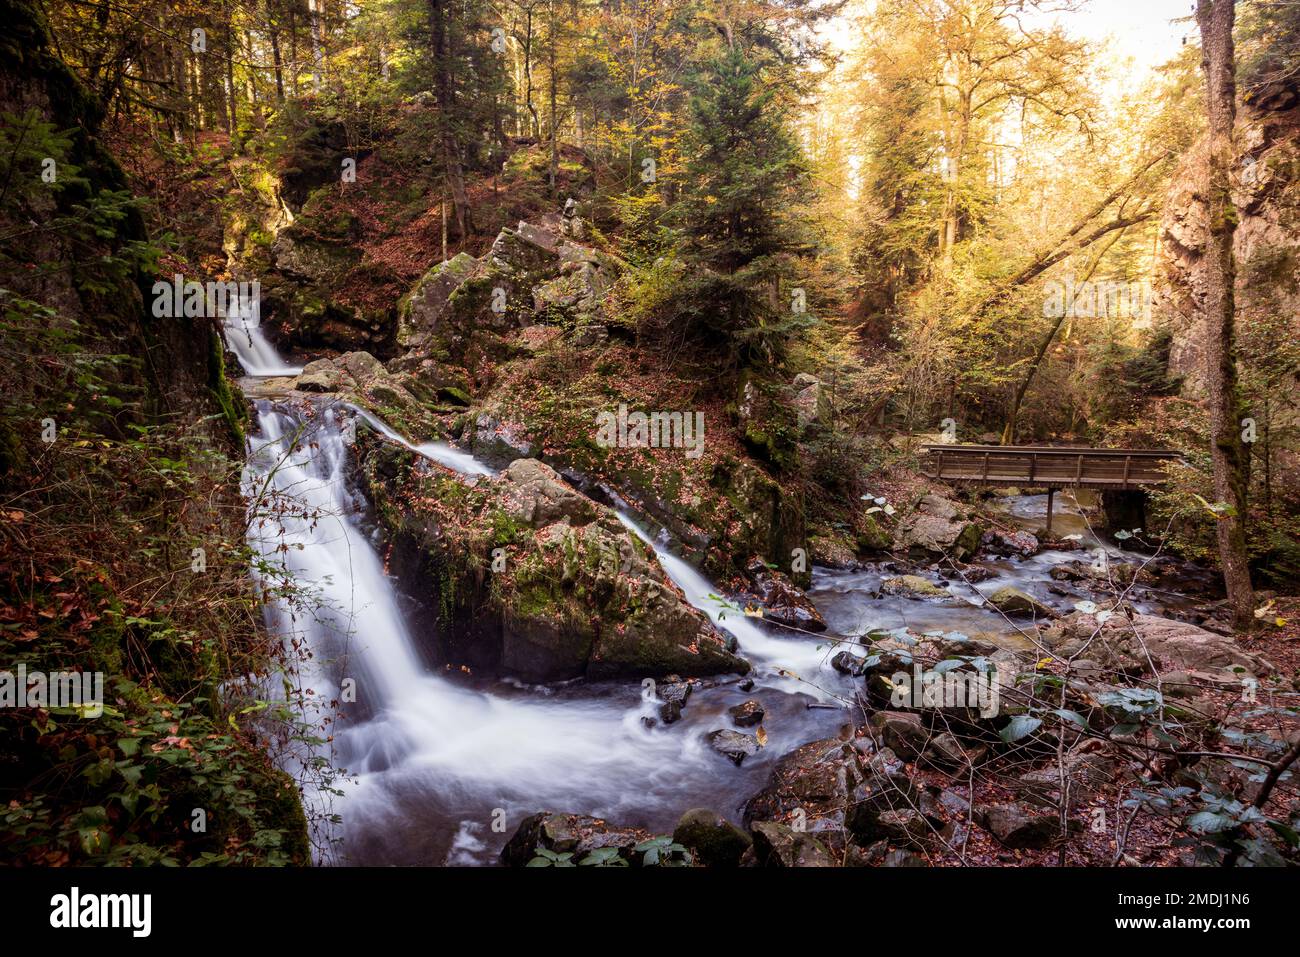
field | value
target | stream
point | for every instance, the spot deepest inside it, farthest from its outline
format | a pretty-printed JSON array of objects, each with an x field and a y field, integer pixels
[{"x": 433, "y": 759}]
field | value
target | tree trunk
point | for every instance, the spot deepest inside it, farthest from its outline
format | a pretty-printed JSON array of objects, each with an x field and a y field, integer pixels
[
  {"x": 555, "y": 129},
  {"x": 454, "y": 170},
  {"x": 274, "y": 34},
  {"x": 1228, "y": 452},
  {"x": 1009, "y": 432}
]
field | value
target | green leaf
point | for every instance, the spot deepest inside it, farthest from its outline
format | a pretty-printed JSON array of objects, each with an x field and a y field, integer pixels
[
  {"x": 1071, "y": 716},
  {"x": 1022, "y": 725},
  {"x": 1210, "y": 822}
]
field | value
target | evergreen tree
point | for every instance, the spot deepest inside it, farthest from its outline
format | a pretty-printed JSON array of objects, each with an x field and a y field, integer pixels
[{"x": 746, "y": 181}]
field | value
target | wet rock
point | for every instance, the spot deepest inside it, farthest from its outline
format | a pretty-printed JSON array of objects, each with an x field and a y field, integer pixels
[
  {"x": 776, "y": 845},
  {"x": 1003, "y": 542},
  {"x": 319, "y": 376},
  {"x": 575, "y": 595},
  {"x": 938, "y": 527},
  {"x": 747, "y": 714},
  {"x": 715, "y": 840},
  {"x": 733, "y": 744},
  {"x": 847, "y": 663},
  {"x": 1013, "y": 601},
  {"x": 913, "y": 586},
  {"x": 574, "y": 834},
  {"x": 674, "y": 690},
  {"x": 670, "y": 712},
  {"x": 781, "y": 600},
  {"x": 1016, "y": 827},
  {"x": 746, "y": 684}
]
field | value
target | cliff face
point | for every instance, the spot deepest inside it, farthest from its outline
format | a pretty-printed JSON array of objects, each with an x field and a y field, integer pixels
[
  {"x": 75, "y": 237},
  {"x": 1266, "y": 192},
  {"x": 121, "y": 556}
]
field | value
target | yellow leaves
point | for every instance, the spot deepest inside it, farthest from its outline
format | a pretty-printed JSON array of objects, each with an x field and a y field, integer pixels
[
  {"x": 761, "y": 736},
  {"x": 1268, "y": 610}
]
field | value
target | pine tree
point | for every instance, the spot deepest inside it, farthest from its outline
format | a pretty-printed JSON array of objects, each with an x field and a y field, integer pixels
[{"x": 746, "y": 181}]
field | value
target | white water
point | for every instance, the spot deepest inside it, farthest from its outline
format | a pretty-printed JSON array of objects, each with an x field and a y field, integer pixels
[
  {"x": 243, "y": 329},
  {"x": 440, "y": 452},
  {"x": 792, "y": 664},
  {"x": 432, "y": 758}
]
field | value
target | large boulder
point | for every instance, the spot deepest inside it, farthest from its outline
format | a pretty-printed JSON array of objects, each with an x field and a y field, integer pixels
[
  {"x": 422, "y": 310},
  {"x": 938, "y": 526},
  {"x": 1121, "y": 643},
  {"x": 525, "y": 575},
  {"x": 776, "y": 845},
  {"x": 715, "y": 840}
]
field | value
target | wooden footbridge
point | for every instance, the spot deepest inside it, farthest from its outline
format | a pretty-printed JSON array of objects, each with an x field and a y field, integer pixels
[{"x": 1050, "y": 467}]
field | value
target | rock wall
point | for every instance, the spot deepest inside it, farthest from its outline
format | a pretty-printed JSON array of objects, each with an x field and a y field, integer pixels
[{"x": 1266, "y": 192}]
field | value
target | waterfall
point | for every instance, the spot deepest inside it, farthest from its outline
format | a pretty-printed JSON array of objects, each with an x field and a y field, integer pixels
[
  {"x": 418, "y": 746},
  {"x": 243, "y": 330}
]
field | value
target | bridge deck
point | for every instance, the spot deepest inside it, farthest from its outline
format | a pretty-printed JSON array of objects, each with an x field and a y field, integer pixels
[{"x": 1048, "y": 466}]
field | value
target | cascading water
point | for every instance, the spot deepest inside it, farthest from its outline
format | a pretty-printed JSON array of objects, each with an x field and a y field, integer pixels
[
  {"x": 243, "y": 331},
  {"x": 431, "y": 759}
]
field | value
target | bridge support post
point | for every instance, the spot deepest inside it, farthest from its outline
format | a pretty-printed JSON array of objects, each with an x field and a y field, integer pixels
[{"x": 1051, "y": 495}]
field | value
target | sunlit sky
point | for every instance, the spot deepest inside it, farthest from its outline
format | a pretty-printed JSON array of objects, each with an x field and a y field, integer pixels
[{"x": 1142, "y": 30}]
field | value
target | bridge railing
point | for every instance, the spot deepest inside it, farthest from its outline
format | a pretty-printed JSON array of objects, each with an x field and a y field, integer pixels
[{"x": 1051, "y": 466}]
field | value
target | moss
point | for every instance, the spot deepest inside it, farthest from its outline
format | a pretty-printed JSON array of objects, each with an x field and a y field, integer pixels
[
  {"x": 871, "y": 537},
  {"x": 232, "y": 410},
  {"x": 451, "y": 393}
]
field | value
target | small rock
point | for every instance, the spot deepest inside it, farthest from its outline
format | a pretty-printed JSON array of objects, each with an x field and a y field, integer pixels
[
  {"x": 747, "y": 714},
  {"x": 1015, "y": 826},
  {"x": 733, "y": 744},
  {"x": 847, "y": 663},
  {"x": 1013, "y": 601},
  {"x": 912, "y": 586},
  {"x": 945, "y": 751},
  {"x": 901, "y": 731}
]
